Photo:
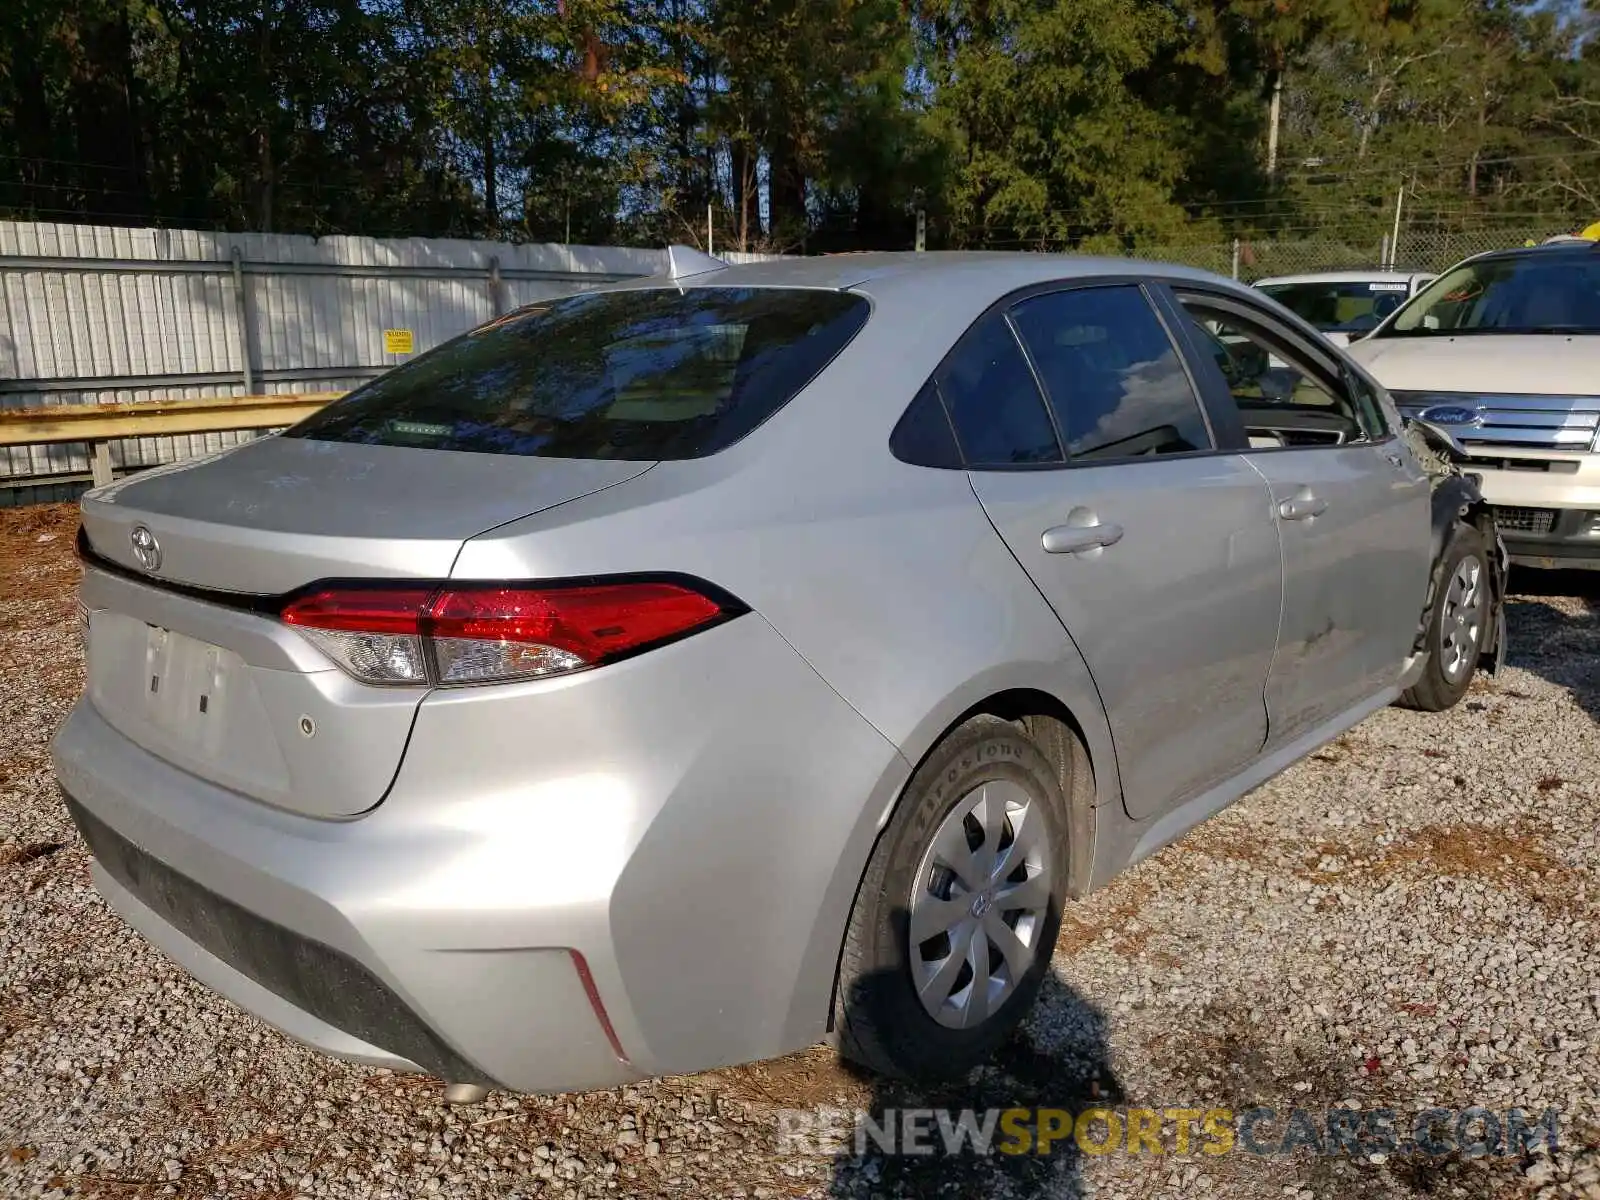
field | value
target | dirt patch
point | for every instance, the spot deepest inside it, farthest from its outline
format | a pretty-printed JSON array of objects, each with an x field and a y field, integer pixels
[
  {"x": 38, "y": 569},
  {"x": 811, "y": 1078},
  {"x": 1116, "y": 910},
  {"x": 1507, "y": 858},
  {"x": 13, "y": 855},
  {"x": 1510, "y": 858}
]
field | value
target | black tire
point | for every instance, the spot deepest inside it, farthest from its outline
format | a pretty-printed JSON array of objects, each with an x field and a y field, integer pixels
[
  {"x": 1436, "y": 691},
  {"x": 879, "y": 1021}
]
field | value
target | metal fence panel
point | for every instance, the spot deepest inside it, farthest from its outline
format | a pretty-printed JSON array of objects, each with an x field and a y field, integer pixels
[{"x": 91, "y": 315}]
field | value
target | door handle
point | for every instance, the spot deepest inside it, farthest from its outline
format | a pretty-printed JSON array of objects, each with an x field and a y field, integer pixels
[
  {"x": 1075, "y": 539},
  {"x": 1302, "y": 506}
]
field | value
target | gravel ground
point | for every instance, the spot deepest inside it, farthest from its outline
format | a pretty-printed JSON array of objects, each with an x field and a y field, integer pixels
[{"x": 1406, "y": 919}]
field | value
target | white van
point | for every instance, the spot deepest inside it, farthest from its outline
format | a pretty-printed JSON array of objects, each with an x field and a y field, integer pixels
[{"x": 1503, "y": 350}]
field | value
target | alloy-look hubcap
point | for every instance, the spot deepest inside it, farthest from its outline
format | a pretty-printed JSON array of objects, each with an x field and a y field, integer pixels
[
  {"x": 1461, "y": 622},
  {"x": 978, "y": 904}
]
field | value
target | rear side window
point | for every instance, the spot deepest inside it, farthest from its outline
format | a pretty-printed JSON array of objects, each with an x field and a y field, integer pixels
[
  {"x": 923, "y": 436},
  {"x": 1114, "y": 378},
  {"x": 643, "y": 375},
  {"x": 994, "y": 403}
]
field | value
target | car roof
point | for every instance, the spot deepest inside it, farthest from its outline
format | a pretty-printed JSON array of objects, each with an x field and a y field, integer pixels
[
  {"x": 1357, "y": 276},
  {"x": 1579, "y": 249},
  {"x": 990, "y": 273}
]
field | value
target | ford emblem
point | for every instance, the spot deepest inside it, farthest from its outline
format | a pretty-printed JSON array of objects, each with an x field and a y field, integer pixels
[{"x": 1452, "y": 414}]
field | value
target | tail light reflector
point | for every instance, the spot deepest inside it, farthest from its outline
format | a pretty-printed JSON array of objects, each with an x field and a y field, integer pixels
[{"x": 484, "y": 633}]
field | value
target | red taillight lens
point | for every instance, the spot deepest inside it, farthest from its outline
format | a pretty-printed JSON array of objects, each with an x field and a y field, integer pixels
[
  {"x": 479, "y": 633},
  {"x": 361, "y": 610}
]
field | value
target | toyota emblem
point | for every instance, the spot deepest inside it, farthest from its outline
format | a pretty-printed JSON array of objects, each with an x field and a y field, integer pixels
[{"x": 145, "y": 548}]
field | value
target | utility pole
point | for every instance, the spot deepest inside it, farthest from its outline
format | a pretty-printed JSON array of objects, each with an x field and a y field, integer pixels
[
  {"x": 1274, "y": 113},
  {"x": 710, "y": 233},
  {"x": 1399, "y": 205}
]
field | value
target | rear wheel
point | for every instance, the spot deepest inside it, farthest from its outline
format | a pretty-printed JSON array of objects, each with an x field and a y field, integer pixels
[
  {"x": 1458, "y": 623},
  {"x": 957, "y": 915}
]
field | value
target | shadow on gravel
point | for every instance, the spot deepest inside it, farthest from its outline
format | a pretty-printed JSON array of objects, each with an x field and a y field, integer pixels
[
  {"x": 1560, "y": 646},
  {"x": 1060, "y": 1059}
]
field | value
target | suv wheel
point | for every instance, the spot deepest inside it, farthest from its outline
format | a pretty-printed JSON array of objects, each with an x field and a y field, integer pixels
[
  {"x": 958, "y": 912},
  {"x": 1458, "y": 624}
]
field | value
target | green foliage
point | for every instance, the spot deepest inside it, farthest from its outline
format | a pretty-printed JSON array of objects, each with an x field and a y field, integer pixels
[{"x": 1121, "y": 125}]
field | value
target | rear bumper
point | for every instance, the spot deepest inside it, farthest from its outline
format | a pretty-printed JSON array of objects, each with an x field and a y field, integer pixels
[{"x": 689, "y": 826}]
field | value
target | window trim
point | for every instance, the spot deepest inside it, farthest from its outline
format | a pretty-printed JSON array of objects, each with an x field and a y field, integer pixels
[{"x": 1329, "y": 368}]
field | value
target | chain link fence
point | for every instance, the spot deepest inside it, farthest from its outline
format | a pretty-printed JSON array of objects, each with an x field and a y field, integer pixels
[{"x": 1250, "y": 259}]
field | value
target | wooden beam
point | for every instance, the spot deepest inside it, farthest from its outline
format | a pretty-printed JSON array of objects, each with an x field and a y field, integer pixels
[{"x": 154, "y": 418}]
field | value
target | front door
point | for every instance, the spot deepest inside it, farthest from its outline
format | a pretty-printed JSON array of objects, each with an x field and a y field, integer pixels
[
  {"x": 1159, "y": 555},
  {"x": 1352, "y": 506}
]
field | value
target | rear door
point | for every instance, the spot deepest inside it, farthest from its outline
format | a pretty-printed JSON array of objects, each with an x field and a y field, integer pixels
[
  {"x": 1095, "y": 462},
  {"x": 1352, "y": 506}
]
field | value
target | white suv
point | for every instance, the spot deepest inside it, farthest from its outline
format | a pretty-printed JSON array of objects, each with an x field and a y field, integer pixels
[
  {"x": 1503, "y": 350},
  {"x": 1344, "y": 305}
]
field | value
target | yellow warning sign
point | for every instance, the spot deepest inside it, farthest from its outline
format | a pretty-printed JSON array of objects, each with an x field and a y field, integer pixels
[
  {"x": 397, "y": 341},
  {"x": 1592, "y": 233}
]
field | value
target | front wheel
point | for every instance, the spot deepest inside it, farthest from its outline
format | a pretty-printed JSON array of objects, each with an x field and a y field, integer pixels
[
  {"x": 958, "y": 912},
  {"x": 1458, "y": 623}
]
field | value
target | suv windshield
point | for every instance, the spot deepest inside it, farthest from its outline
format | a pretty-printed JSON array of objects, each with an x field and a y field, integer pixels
[
  {"x": 1538, "y": 292},
  {"x": 644, "y": 375},
  {"x": 1343, "y": 307}
]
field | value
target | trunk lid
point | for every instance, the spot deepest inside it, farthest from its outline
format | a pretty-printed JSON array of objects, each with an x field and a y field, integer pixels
[
  {"x": 223, "y": 690},
  {"x": 278, "y": 513}
]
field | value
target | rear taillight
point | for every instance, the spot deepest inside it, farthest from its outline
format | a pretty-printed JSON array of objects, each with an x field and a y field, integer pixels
[{"x": 484, "y": 633}]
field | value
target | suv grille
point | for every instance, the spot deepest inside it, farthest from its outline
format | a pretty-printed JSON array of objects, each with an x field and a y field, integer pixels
[
  {"x": 1526, "y": 520},
  {"x": 1537, "y": 422}
]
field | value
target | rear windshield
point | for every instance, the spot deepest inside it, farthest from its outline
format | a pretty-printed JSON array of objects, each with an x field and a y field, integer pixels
[
  {"x": 1539, "y": 292},
  {"x": 654, "y": 374},
  {"x": 1340, "y": 307}
]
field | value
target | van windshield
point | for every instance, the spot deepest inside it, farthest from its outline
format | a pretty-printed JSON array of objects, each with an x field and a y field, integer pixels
[
  {"x": 1538, "y": 292},
  {"x": 1344, "y": 307},
  {"x": 644, "y": 375}
]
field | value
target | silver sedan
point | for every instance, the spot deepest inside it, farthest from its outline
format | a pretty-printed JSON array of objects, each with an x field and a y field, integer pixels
[{"x": 683, "y": 673}]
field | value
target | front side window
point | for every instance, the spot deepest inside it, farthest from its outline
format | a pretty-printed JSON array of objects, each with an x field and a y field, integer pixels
[
  {"x": 1112, "y": 375},
  {"x": 1538, "y": 292},
  {"x": 642, "y": 375},
  {"x": 1282, "y": 397}
]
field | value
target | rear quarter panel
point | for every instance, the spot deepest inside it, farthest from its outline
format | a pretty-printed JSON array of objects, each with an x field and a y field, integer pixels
[{"x": 887, "y": 579}]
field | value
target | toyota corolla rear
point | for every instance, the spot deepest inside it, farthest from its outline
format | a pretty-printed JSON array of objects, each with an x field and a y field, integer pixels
[{"x": 426, "y": 816}]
